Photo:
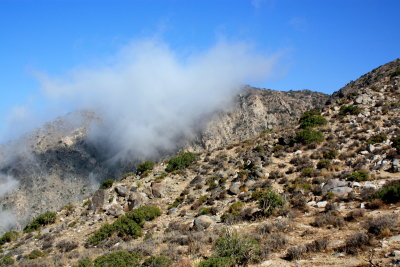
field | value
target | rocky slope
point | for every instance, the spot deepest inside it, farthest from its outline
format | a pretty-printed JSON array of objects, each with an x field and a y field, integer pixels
[
  {"x": 322, "y": 193},
  {"x": 56, "y": 165}
]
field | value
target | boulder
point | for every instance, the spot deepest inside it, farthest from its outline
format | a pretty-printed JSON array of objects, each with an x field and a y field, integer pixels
[
  {"x": 322, "y": 204},
  {"x": 341, "y": 190},
  {"x": 234, "y": 189},
  {"x": 115, "y": 210},
  {"x": 202, "y": 222},
  {"x": 196, "y": 180},
  {"x": 136, "y": 200},
  {"x": 121, "y": 190},
  {"x": 396, "y": 165},
  {"x": 99, "y": 199},
  {"x": 156, "y": 190},
  {"x": 333, "y": 183}
]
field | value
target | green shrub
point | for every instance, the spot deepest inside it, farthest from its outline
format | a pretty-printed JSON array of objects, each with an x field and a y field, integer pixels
[
  {"x": 350, "y": 109},
  {"x": 396, "y": 144},
  {"x": 157, "y": 261},
  {"x": 85, "y": 262},
  {"x": 307, "y": 172},
  {"x": 217, "y": 262},
  {"x": 145, "y": 213},
  {"x": 180, "y": 162},
  {"x": 145, "y": 166},
  {"x": 277, "y": 148},
  {"x": 390, "y": 194},
  {"x": 8, "y": 237},
  {"x": 395, "y": 73},
  {"x": 359, "y": 176},
  {"x": 179, "y": 200},
  {"x": 379, "y": 138},
  {"x": 6, "y": 261},
  {"x": 330, "y": 154},
  {"x": 312, "y": 119},
  {"x": 119, "y": 258},
  {"x": 128, "y": 225},
  {"x": 36, "y": 254},
  {"x": 233, "y": 212},
  {"x": 324, "y": 164},
  {"x": 308, "y": 136},
  {"x": 268, "y": 200},
  {"x": 107, "y": 184},
  {"x": 41, "y": 220},
  {"x": 240, "y": 249}
]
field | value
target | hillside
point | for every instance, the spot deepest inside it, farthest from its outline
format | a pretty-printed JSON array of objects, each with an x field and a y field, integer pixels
[
  {"x": 58, "y": 165},
  {"x": 322, "y": 190}
]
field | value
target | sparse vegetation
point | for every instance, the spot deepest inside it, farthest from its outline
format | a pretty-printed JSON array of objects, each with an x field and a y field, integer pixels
[
  {"x": 7, "y": 261},
  {"x": 119, "y": 258},
  {"x": 312, "y": 119},
  {"x": 382, "y": 225},
  {"x": 157, "y": 261},
  {"x": 180, "y": 162},
  {"x": 389, "y": 194},
  {"x": 107, "y": 184},
  {"x": 8, "y": 237},
  {"x": 128, "y": 225},
  {"x": 144, "y": 167},
  {"x": 379, "y": 138},
  {"x": 308, "y": 136},
  {"x": 359, "y": 176},
  {"x": 349, "y": 110},
  {"x": 268, "y": 200},
  {"x": 396, "y": 144},
  {"x": 41, "y": 220}
]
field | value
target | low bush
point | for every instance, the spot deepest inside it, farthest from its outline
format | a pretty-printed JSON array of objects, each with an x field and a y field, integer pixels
[
  {"x": 324, "y": 164},
  {"x": 359, "y": 176},
  {"x": 7, "y": 261},
  {"x": 128, "y": 225},
  {"x": 389, "y": 194},
  {"x": 107, "y": 184},
  {"x": 8, "y": 237},
  {"x": 144, "y": 166},
  {"x": 328, "y": 219},
  {"x": 312, "y": 119},
  {"x": 276, "y": 241},
  {"x": 296, "y": 253},
  {"x": 330, "y": 154},
  {"x": 157, "y": 261},
  {"x": 119, "y": 258},
  {"x": 382, "y": 225},
  {"x": 67, "y": 246},
  {"x": 41, "y": 220},
  {"x": 85, "y": 262},
  {"x": 217, "y": 262},
  {"x": 308, "y": 136},
  {"x": 356, "y": 242},
  {"x": 350, "y": 109},
  {"x": 268, "y": 200},
  {"x": 317, "y": 245},
  {"x": 180, "y": 162},
  {"x": 241, "y": 250},
  {"x": 379, "y": 138},
  {"x": 396, "y": 144},
  {"x": 36, "y": 254}
]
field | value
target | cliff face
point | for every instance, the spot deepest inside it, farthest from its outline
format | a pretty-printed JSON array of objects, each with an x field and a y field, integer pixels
[
  {"x": 56, "y": 165},
  {"x": 254, "y": 111}
]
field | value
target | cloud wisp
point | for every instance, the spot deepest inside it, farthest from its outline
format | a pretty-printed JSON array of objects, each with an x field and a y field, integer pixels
[{"x": 149, "y": 96}]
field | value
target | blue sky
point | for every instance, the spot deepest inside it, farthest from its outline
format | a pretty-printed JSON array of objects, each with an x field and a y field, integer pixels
[{"x": 323, "y": 43}]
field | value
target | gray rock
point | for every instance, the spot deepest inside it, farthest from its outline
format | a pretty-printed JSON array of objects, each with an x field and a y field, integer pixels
[
  {"x": 172, "y": 211},
  {"x": 156, "y": 190},
  {"x": 121, "y": 190},
  {"x": 333, "y": 183},
  {"x": 341, "y": 190},
  {"x": 196, "y": 180},
  {"x": 322, "y": 204},
  {"x": 396, "y": 165},
  {"x": 136, "y": 200},
  {"x": 202, "y": 222},
  {"x": 115, "y": 210},
  {"x": 99, "y": 199},
  {"x": 234, "y": 188}
]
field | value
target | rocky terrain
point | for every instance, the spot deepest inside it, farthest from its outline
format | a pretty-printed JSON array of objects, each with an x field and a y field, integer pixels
[
  {"x": 57, "y": 165},
  {"x": 320, "y": 190}
]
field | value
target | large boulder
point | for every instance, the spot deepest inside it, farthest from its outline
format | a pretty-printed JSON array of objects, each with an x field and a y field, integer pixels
[
  {"x": 136, "y": 200},
  {"x": 156, "y": 190},
  {"x": 99, "y": 199},
  {"x": 202, "y": 222},
  {"x": 121, "y": 190}
]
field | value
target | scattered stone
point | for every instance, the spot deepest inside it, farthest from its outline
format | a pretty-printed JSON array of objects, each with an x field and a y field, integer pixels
[
  {"x": 156, "y": 190},
  {"x": 202, "y": 222},
  {"x": 99, "y": 199},
  {"x": 121, "y": 190},
  {"x": 341, "y": 190},
  {"x": 234, "y": 189},
  {"x": 115, "y": 210},
  {"x": 322, "y": 204},
  {"x": 396, "y": 165}
]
